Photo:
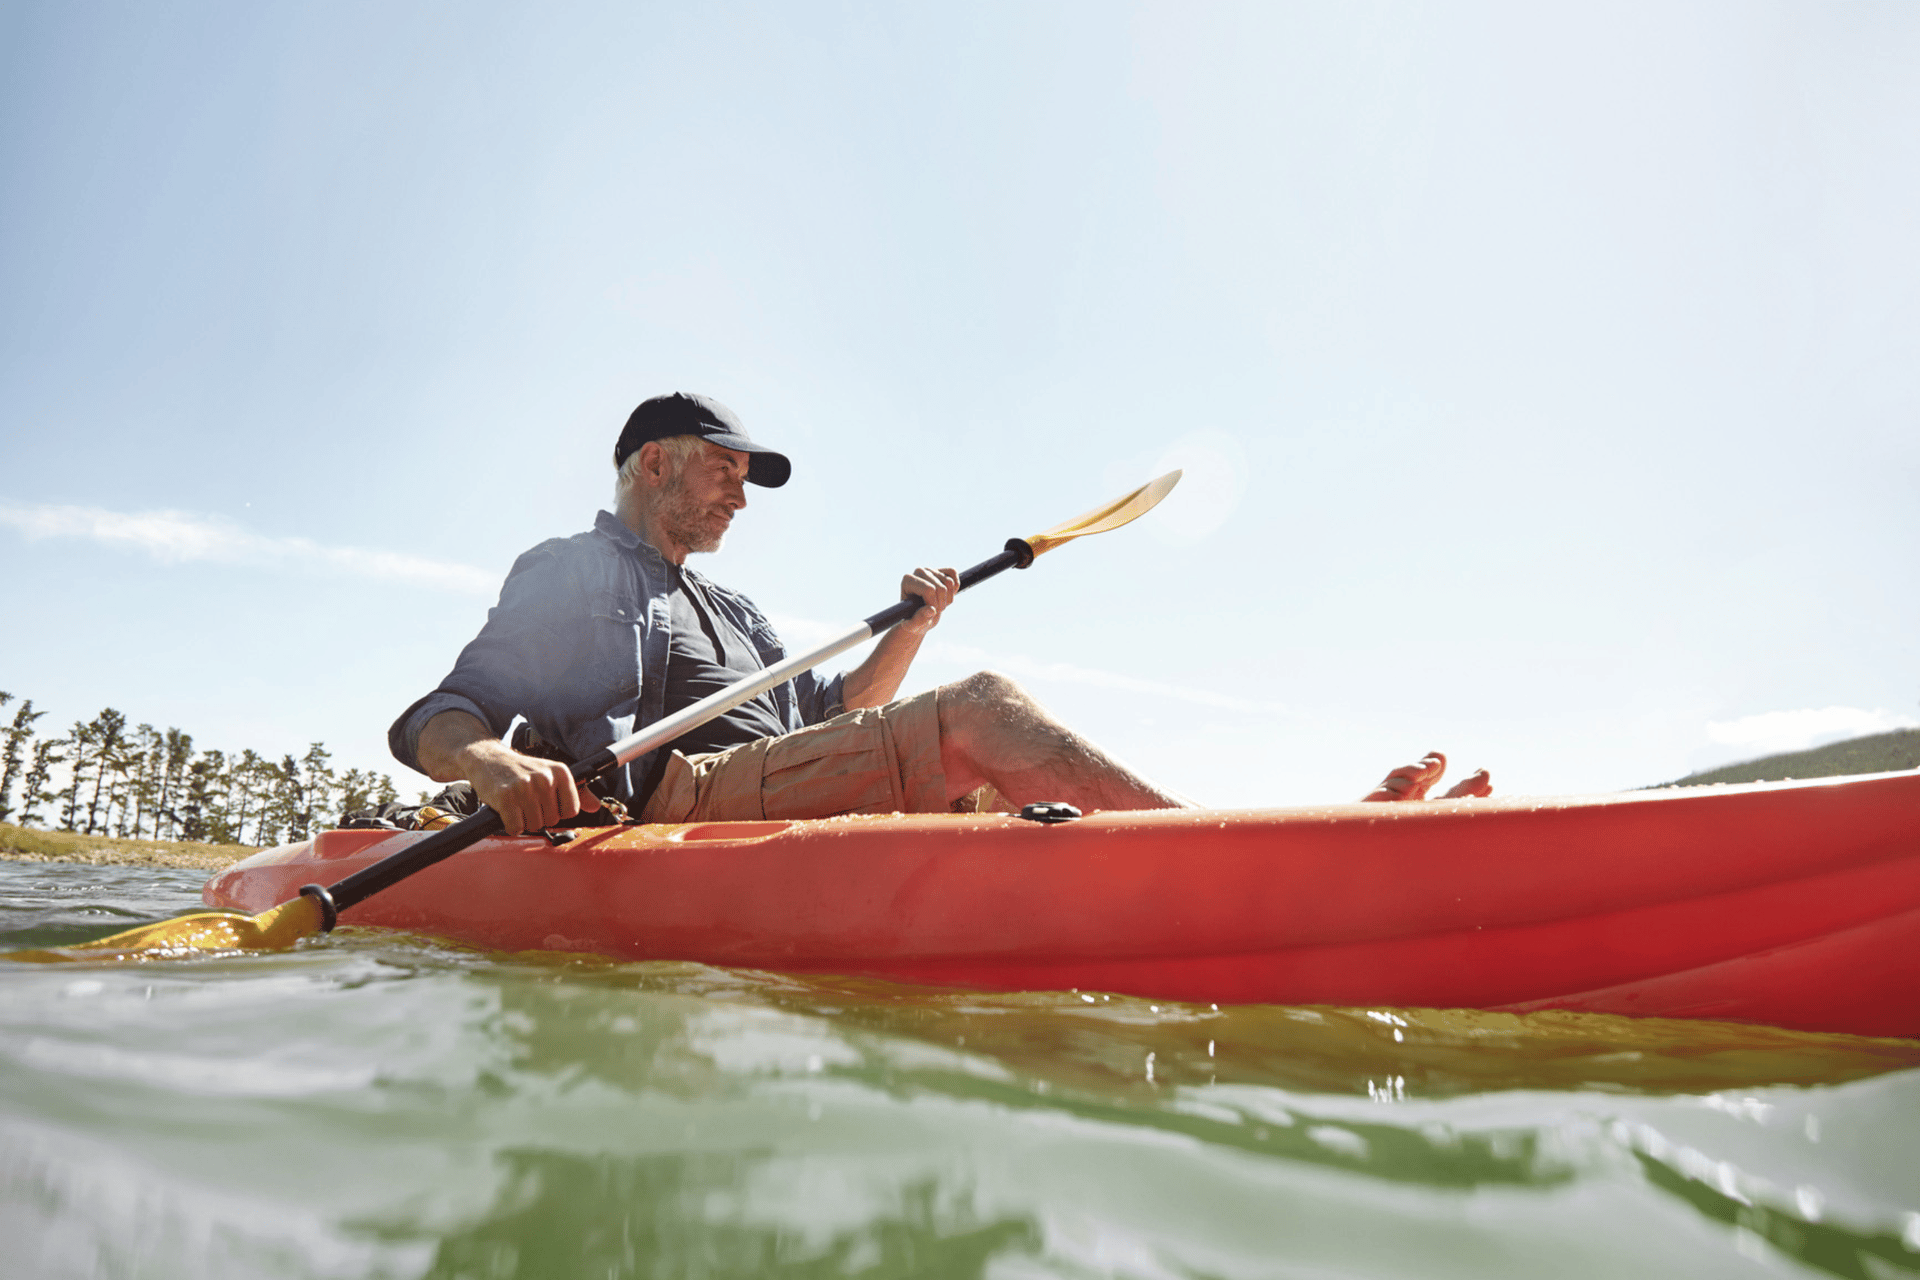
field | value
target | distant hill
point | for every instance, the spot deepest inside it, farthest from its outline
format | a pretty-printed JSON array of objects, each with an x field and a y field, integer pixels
[{"x": 1876, "y": 753}]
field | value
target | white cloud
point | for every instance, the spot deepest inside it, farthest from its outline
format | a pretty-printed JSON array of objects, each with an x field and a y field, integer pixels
[
  {"x": 174, "y": 537},
  {"x": 1773, "y": 731}
]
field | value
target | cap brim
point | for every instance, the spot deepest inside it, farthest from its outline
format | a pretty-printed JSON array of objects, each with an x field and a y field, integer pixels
[{"x": 764, "y": 466}]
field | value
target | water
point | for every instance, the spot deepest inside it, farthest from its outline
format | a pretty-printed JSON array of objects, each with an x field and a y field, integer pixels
[{"x": 377, "y": 1104}]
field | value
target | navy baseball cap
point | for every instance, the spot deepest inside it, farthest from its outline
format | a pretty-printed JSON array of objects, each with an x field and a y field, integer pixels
[{"x": 684, "y": 414}]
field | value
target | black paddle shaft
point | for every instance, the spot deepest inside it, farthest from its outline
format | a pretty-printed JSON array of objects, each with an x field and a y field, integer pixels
[
  {"x": 447, "y": 841},
  {"x": 1018, "y": 555}
]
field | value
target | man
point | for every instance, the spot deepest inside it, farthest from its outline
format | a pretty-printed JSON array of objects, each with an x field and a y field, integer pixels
[{"x": 608, "y": 631}]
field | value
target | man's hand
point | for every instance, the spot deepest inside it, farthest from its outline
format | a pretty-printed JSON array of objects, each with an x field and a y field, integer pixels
[
  {"x": 527, "y": 792},
  {"x": 874, "y": 682},
  {"x": 935, "y": 589}
]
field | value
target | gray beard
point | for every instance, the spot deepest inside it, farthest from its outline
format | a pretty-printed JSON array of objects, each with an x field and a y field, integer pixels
[{"x": 681, "y": 519}]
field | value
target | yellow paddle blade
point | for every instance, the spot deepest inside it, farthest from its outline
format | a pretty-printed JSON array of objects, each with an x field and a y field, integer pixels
[
  {"x": 273, "y": 930},
  {"x": 1111, "y": 516}
]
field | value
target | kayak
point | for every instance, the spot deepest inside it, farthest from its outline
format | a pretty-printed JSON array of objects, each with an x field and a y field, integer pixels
[{"x": 1795, "y": 904}]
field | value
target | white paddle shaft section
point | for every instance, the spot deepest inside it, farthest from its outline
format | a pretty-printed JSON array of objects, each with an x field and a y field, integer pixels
[{"x": 661, "y": 732}]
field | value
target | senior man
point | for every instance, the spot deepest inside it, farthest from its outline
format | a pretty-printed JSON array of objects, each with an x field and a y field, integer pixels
[{"x": 608, "y": 631}]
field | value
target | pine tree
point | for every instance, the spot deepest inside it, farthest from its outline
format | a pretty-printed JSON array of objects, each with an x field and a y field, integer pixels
[
  {"x": 46, "y": 754},
  {"x": 318, "y": 787},
  {"x": 179, "y": 752},
  {"x": 82, "y": 742},
  {"x": 143, "y": 782},
  {"x": 241, "y": 777},
  {"x": 14, "y": 753},
  {"x": 203, "y": 812},
  {"x": 356, "y": 792},
  {"x": 287, "y": 799},
  {"x": 264, "y": 784},
  {"x": 109, "y": 745}
]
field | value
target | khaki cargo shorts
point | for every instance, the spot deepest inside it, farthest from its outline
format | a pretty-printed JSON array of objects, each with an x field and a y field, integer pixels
[{"x": 875, "y": 760}]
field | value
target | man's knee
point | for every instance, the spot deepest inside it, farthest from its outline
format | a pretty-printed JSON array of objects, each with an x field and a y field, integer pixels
[
  {"x": 987, "y": 721},
  {"x": 984, "y": 696},
  {"x": 984, "y": 687}
]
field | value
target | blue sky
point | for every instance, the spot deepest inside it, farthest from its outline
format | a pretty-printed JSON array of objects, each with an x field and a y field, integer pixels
[{"x": 1546, "y": 375}]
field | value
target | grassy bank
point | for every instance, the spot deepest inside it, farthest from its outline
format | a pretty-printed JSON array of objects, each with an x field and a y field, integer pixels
[
  {"x": 1876, "y": 753},
  {"x": 25, "y": 844}
]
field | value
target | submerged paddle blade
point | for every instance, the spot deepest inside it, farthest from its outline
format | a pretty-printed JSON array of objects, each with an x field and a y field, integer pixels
[
  {"x": 1110, "y": 516},
  {"x": 273, "y": 930}
]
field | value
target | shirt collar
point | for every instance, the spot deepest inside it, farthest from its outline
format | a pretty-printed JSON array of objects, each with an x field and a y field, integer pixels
[{"x": 608, "y": 526}]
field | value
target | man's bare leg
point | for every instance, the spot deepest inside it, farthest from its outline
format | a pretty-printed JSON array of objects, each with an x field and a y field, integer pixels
[
  {"x": 1413, "y": 781},
  {"x": 993, "y": 732}
]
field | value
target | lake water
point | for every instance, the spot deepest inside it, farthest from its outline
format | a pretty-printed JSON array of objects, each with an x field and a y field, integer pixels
[{"x": 378, "y": 1104}]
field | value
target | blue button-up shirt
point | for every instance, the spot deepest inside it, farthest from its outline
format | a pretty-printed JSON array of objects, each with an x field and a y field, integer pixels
[{"x": 578, "y": 645}]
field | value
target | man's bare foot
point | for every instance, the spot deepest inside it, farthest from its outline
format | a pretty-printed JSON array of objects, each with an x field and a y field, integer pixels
[
  {"x": 1477, "y": 783},
  {"x": 1413, "y": 781}
]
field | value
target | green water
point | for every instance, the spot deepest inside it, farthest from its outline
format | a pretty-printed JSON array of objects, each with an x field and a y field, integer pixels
[{"x": 383, "y": 1105}]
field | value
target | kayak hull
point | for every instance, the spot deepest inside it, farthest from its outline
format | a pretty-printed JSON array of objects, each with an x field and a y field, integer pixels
[{"x": 1794, "y": 904}]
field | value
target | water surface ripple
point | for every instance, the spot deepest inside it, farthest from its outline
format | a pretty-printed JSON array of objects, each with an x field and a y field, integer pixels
[{"x": 380, "y": 1104}]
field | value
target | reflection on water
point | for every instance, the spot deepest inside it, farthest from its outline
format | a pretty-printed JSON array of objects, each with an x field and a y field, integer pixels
[{"x": 379, "y": 1104}]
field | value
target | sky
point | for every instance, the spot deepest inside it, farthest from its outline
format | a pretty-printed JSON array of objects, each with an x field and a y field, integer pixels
[{"x": 1545, "y": 377}]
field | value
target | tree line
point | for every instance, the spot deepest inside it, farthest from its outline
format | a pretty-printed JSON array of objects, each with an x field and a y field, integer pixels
[{"x": 103, "y": 778}]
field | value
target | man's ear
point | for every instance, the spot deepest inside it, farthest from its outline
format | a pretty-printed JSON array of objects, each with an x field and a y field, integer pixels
[{"x": 653, "y": 461}]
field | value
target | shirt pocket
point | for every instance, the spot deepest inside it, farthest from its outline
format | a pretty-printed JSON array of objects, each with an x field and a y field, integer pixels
[
  {"x": 614, "y": 649},
  {"x": 608, "y": 607}
]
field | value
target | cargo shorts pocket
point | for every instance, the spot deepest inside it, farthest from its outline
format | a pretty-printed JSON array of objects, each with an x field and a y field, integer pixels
[
  {"x": 875, "y": 760},
  {"x": 847, "y": 765}
]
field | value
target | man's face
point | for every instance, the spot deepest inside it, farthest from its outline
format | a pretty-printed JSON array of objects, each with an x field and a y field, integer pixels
[{"x": 698, "y": 502}]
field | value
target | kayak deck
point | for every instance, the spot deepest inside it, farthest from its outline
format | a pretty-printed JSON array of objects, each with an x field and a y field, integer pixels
[{"x": 1796, "y": 904}]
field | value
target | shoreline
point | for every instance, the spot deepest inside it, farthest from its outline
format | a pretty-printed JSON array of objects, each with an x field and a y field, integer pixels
[{"x": 30, "y": 844}]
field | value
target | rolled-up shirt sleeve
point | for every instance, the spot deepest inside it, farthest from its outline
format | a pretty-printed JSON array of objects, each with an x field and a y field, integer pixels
[
  {"x": 819, "y": 699},
  {"x": 526, "y": 649}
]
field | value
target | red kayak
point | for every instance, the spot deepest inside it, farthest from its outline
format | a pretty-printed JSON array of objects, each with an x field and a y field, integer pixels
[{"x": 1796, "y": 904}]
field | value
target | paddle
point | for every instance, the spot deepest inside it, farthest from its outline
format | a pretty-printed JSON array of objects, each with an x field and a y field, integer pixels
[{"x": 318, "y": 908}]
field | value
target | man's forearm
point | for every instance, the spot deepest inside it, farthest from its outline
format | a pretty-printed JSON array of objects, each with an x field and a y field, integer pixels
[
  {"x": 445, "y": 743},
  {"x": 528, "y": 793},
  {"x": 874, "y": 682}
]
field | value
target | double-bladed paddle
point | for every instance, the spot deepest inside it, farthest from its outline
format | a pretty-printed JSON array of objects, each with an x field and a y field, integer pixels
[{"x": 318, "y": 907}]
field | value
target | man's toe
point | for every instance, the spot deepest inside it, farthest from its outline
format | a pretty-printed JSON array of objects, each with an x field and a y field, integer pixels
[
  {"x": 1477, "y": 783},
  {"x": 1410, "y": 781}
]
